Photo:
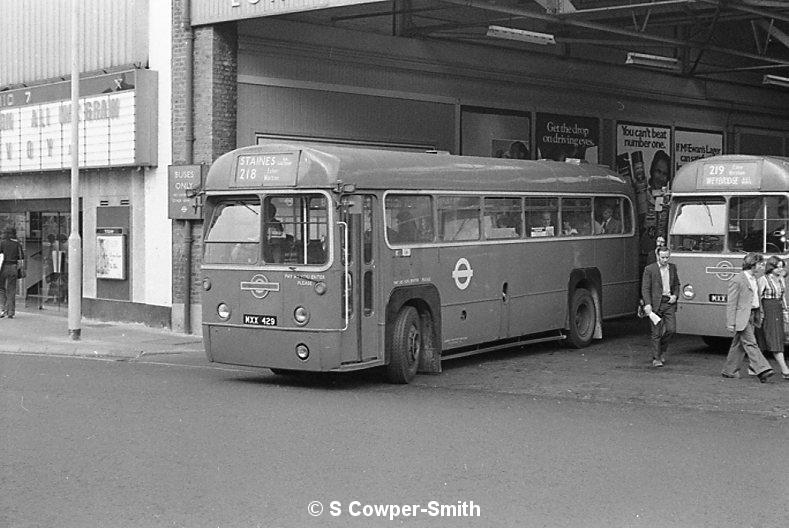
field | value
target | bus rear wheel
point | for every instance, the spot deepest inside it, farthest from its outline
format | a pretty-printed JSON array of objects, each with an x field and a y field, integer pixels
[
  {"x": 407, "y": 340},
  {"x": 583, "y": 318}
]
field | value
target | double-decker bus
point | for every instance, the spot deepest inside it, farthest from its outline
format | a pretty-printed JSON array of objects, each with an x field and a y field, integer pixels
[
  {"x": 722, "y": 208},
  {"x": 338, "y": 259}
]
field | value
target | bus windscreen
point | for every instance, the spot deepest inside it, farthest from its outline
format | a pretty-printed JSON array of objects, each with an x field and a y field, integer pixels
[
  {"x": 699, "y": 225},
  {"x": 234, "y": 233}
]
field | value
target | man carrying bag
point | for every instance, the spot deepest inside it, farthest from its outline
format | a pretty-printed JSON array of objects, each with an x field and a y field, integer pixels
[{"x": 11, "y": 269}]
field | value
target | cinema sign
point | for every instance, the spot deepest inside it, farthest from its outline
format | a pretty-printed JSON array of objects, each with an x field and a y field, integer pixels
[{"x": 117, "y": 124}]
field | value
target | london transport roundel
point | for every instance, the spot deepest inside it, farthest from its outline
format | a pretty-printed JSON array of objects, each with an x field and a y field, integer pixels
[{"x": 462, "y": 273}]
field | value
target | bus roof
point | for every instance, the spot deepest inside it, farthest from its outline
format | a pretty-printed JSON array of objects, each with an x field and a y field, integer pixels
[
  {"x": 327, "y": 166},
  {"x": 733, "y": 173}
]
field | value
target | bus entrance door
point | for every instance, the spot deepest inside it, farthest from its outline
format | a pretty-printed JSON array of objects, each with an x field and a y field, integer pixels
[{"x": 362, "y": 255}]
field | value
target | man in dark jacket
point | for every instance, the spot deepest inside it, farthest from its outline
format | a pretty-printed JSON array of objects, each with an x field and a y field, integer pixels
[
  {"x": 13, "y": 259},
  {"x": 659, "y": 291}
]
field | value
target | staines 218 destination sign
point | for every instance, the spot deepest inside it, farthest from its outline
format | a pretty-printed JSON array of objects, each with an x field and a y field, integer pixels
[{"x": 266, "y": 170}]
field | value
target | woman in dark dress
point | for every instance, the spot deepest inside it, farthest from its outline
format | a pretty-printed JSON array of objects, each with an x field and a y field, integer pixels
[{"x": 772, "y": 287}]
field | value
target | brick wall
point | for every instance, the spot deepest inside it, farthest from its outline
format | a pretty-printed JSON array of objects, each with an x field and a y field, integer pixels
[{"x": 215, "y": 88}]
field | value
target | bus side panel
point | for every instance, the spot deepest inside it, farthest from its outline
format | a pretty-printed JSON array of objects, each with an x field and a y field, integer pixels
[
  {"x": 467, "y": 279},
  {"x": 536, "y": 272},
  {"x": 620, "y": 278},
  {"x": 709, "y": 275}
]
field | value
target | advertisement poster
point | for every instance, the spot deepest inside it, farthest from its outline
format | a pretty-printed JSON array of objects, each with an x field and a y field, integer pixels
[
  {"x": 111, "y": 257},
  {"x": 563, "y": 137},
  {"x": 643, "y": 154},
  {"x": 645, "y": 150},
  {"x": 690, "y": 145}
]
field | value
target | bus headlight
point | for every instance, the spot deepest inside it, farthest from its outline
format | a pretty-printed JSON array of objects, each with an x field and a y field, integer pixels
[
  {"x": 302, "y": 351},
  {"x": 688, "y": 292},
  {"x": 320, "y": 288},
  {"x": 223, "y": 311},
  {"x": 206, "y": 284},
  {"x": 301, "y": 315}
]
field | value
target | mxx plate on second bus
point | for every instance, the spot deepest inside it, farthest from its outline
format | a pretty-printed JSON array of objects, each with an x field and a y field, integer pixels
[{"x": 260, "y": 320}]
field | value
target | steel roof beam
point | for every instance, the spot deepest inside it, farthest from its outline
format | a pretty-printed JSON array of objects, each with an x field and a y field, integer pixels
[
  {"x": 609, "y": 29},
  {"x": 740, "y": 6}
]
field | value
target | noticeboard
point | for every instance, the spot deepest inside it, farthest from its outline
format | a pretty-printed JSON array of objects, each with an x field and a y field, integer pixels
[{"x": 184, "y": 182}]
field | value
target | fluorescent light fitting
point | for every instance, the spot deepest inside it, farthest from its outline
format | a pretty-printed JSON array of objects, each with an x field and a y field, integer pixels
[
  {"x": 652, "y": 61},
  {"x": 520, "y": 35},
  {"x": 776, "y": 80}
]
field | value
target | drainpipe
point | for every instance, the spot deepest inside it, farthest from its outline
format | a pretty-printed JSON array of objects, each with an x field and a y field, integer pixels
[{"x": 189, "y": 159}]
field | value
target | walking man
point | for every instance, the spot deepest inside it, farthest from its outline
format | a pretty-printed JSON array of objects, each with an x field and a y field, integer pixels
[
  {"x": 659, "y": 291},
  {"x": 743, "y": 315}
]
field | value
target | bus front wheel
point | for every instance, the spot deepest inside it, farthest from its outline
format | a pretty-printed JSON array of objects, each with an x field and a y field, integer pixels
[
  {"x": 406, "y": 346},
  {"x": 583, "y": 318}
]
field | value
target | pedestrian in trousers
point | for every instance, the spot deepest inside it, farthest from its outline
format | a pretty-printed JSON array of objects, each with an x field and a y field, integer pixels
[
  {"x": 743, "y": 315},
  {"x": 659, "y": 291}
]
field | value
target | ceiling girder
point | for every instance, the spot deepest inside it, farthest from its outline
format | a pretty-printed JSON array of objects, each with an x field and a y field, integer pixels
[
  {"x": 741, "y": 6},
  {"x": 774, "y": 32},
  {"x": 563, "y": 20},
  {"x": 605, "y": 12}
]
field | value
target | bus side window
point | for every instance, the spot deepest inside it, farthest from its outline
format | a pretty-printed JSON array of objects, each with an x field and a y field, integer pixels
[
  {"x": 607, "y": 213},
  {"x": 502, "y": 218},
  {"x": 541, "y": 217},
  {"x": 409, "y": 218},
  {"x": 459, "y": 218},
  {"x": 577, "y": 215},
  {"x": 627, "y": 216}
]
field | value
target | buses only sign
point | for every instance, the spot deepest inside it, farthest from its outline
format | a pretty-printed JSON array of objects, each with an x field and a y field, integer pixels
[{"x": 184, "y": 182}]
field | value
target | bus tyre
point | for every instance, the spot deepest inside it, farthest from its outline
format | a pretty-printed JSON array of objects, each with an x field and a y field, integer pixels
[
  {"x": 406, "y": 346},
  {"x": 583, "y": 318}
]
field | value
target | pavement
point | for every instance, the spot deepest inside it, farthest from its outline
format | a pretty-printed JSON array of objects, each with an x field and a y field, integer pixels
[
  {"x": 33, "y": 331},
  {"x": 615, "y": 370}
]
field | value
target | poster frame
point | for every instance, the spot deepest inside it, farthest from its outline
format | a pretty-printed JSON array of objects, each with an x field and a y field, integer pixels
[{"x": 115, "y": 267}]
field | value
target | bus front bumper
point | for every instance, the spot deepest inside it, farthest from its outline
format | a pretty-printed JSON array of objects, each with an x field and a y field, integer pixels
[{"x": 272, "y": 348}]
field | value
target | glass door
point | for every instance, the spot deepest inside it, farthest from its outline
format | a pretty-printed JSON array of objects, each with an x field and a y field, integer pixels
[{"x": 47, "y": 252}]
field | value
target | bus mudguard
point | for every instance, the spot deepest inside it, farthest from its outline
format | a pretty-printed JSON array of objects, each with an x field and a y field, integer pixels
[
  {"x": 425, "y": 298},
  {"x": 589, "y": 279}
]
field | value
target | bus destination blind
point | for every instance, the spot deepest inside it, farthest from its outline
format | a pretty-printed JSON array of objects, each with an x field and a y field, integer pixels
[
  {"x": 266, "y": 170},
  {"x": 732, "y": 176}
]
